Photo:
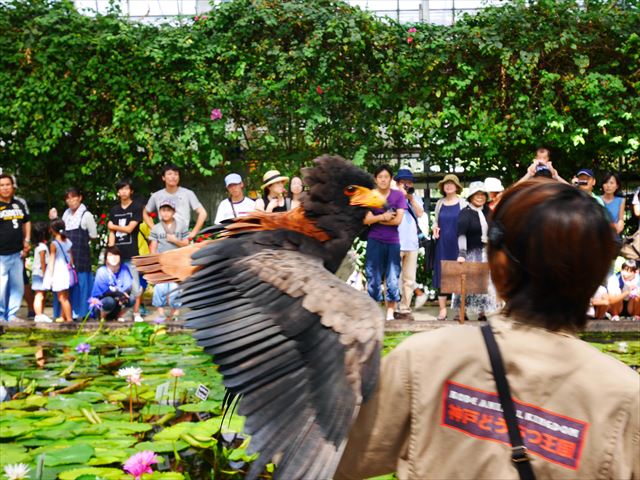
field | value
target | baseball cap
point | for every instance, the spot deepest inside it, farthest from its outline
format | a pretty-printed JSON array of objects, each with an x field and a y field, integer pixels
[
  {"x": 586, "y": 171},
  {"x": 232, "y": 179},
  {"x": 404, "y": 174},
  {"x": 167, "y": 202}
]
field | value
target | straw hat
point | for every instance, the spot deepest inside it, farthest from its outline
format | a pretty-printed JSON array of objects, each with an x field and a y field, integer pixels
[
  {"x": 271, "y": 177},
  {"x": 450, "y": 177}
]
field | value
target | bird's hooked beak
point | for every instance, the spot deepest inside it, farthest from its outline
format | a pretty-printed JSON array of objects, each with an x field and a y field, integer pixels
[{"x": 365, "y": 197}]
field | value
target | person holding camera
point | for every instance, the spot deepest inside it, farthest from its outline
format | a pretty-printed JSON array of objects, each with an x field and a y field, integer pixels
[
  {"x": 542, "y": 167},
  {"x": 585, "y": 180},
  {"x": 410, "y": 238},
  {"x": 112, "y": 286}
]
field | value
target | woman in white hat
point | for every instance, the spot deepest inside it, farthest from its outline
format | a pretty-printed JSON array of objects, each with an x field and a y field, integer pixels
[
  {"x": 274, "y": 198},
  {"x": 473, "y": 228},
  {"x": 494, "y": 188}
]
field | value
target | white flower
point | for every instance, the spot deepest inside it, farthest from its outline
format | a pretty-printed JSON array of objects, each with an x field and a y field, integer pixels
[
  {"x": 130, "y": 372},
  {"x": 134, "y": 379},
  {"x": 623, "y": 347},
  {"x": 16, "y": 471}
]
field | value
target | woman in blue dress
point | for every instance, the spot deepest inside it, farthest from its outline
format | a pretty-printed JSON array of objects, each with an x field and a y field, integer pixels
[
  {"x": 445, "y": 230},
  {"x": 614, "y": 203}
]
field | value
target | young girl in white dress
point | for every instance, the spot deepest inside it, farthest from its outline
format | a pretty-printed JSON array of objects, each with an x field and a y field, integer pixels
[
  {"x": 40, "y": 236},
  {"x": 57, "y": 277}
]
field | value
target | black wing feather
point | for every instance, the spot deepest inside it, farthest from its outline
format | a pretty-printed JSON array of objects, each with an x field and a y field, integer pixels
[{"x": 288, "y": 366}]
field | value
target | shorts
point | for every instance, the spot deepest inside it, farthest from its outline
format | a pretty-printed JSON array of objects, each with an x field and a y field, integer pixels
[
  {"x": 37, "y": 283},
  {"x": 166, "y": 291}
]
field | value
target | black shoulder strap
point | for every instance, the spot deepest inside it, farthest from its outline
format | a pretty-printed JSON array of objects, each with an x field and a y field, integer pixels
[
  {"x": 415, "y": 218},
  {"x": 519, "y": 455},
  {"x": 233, "y": 208}
]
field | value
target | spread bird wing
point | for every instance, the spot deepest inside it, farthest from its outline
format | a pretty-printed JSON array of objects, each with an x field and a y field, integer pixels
[{"x": 298, "y": 346}]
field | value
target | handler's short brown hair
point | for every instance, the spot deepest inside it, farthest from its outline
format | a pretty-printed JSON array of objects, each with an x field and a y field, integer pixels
[{"x": 550, "y": 247}]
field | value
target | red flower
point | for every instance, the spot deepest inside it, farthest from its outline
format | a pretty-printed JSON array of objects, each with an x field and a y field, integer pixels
[
  {"x": 319, "y": 90},
  {"x": 101, "y": 222},
  {"x": 410, "y": 40},
  {"x": 153, "y": 214},
  {"x": 103, "y": 216}
]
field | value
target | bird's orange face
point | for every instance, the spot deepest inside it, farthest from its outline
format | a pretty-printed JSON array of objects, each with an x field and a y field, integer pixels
[{"x": 364, "y": 197}]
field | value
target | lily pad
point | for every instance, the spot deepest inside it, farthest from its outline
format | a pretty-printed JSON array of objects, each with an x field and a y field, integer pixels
[
  {"x": 16, "y": 428},
  {"x": 73, "y": 454},
  {"x": 205, "y": 406},
  {"x": 30, "y": 403},
  {"x": 13, "y": 453},
  {"x": 106, "y": 473},
  {"x": 162, "y": 447}
]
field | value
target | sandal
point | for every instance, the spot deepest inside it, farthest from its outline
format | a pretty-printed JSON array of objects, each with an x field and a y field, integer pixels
[{"x": 442, "y": 318}]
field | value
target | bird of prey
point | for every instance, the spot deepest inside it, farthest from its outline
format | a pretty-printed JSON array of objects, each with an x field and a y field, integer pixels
[{"x": 299, "y": 347}]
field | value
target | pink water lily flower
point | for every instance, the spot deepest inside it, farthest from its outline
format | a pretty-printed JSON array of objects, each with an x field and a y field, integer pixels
[
  {"x": 216, "y": 114},
  {"x": 176, "y": 372},
  {"x": 140, "y": 463},
  {"x": 412, "y": 30}
]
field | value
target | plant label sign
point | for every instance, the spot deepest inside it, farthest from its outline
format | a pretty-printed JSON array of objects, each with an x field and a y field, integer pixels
[
  {"x": 202, "y": 393},
  {"x": 162, "y": 394}
]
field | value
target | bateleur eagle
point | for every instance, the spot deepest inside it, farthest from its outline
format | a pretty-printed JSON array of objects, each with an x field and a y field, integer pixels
[{"x": 298, "y": 346}]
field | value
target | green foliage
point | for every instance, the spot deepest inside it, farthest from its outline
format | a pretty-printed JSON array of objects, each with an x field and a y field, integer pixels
[{"x": 84, "y": 100}]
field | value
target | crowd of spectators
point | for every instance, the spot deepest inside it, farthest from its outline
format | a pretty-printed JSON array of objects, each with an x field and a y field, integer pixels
[{"x": 62, "y": 263}]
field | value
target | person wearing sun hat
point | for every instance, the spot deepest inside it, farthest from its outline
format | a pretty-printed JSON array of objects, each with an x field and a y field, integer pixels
[
  {"x": 445, "y": 231},
  {"x": 494, "y": 189},
  {"x": 473, "y": 228},
  {"x": 274, "y": 197}
]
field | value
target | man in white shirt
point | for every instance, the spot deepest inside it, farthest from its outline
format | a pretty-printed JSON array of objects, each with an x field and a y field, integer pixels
[
  {"x": 183, "y": 198},
  {"x": 409, "y": 243},
  {"x": 236, "y": 205}
]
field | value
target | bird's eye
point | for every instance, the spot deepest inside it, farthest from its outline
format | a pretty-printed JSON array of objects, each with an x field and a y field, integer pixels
[{"x": 350, "y": 190}]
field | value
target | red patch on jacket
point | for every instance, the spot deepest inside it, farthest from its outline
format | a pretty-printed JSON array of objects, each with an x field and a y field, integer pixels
[{"x": 554, "y": 437}]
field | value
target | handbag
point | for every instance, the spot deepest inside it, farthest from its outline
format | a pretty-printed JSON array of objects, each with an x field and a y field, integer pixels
[
  {"x": 73, "y": 275},
  {"x": 631, "y": 247},
  {"x": 519, "y": 455},
  {"x": 426, "y": 242}
]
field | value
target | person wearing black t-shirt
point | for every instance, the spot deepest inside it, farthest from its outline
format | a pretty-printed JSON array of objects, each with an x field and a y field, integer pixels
[
  {"x": 124, "y": 224},
  {"x": 15, "y": 238}
]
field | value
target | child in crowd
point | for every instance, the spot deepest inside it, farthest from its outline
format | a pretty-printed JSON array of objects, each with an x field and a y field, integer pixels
[
  {"x": 624, "y": 291},
  {"x": 113, "y": 285},
  {"x": 58, "y": 276},
  {"x": 599, "y": 304},
  {"x": 169, "y": 234},
  {"x": 40, "y": 237}
]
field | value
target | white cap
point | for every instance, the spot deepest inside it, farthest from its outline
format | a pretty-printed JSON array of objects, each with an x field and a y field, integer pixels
[
  {"x": 492, "y": 184},
  {"x": 231, "y": 179}
]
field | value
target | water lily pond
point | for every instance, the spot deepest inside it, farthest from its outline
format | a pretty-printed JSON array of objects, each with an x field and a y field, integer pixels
[{"x": 78, "y": 406}]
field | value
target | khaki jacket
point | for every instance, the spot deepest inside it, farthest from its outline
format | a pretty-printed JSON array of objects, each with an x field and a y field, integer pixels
[{"x": 436, "y": 414}]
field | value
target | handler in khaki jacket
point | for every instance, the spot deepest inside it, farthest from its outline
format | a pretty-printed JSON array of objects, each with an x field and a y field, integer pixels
[{"x": 436, "y": 414}]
